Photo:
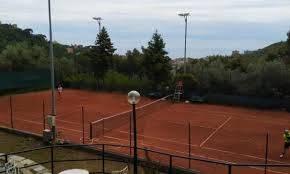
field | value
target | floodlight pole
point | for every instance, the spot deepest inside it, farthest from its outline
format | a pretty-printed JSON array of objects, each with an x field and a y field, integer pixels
[
  {"x": 53, "y": 106},
  {"x": 98, "y": 19},
  {"x": 185, "y": 15},
  {"x": 185, "y": 44}
]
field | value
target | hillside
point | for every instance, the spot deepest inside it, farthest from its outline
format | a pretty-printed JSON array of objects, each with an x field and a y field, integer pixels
[
  {"x": 276, "y": 50},
  {"x": 10, "y": 34}
]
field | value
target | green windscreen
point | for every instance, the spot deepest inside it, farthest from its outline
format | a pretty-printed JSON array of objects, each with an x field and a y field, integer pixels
[{"x": 23, "y": 80}]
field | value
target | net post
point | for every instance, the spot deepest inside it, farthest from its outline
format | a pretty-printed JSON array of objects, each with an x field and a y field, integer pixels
[
  {"x": 189, "y": 145},
  {"x": 83, "y": 125},
  {"x": 91, "y": 130},
  {"x": 11, "y": 112},
  {"x": 43, "y": 114}
]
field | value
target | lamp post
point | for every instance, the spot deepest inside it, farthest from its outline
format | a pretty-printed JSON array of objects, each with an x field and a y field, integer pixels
[
  {"x": 98, "y": 19},
  {"x": 185, "y": 15},
  {"x": 53, "y": 105},
  {"x": 133, "y": 99}
]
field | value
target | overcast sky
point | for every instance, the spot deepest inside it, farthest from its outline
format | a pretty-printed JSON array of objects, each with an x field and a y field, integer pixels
[{"x": 215, "y": 26}]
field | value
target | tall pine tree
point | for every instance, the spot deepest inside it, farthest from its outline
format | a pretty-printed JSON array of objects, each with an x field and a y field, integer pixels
[
  {"x": 156, "y": 63},
  {"x": 101, "y": 55},
  {"x": 288, "y": 43}
]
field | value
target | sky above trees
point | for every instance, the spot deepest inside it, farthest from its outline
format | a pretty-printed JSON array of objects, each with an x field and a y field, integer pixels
[{"x": 215, "y": 27}]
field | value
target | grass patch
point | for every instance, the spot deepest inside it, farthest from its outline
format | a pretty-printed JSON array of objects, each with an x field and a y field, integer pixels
[{"x": 10, "y": 142}]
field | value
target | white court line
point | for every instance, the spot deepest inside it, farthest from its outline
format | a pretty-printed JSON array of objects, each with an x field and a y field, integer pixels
[
  {"x": 200, "y": 156},
  {"x": 214, "y": 132},
  {"x": 167, "y": 149},
  {"x": 213, "y": 149},
  {"x": 69, "y": 122},
  {"x": 39, "y": 123},
  {"x": 160, "y": 139},
  {"x": 182, "y": 123},
  {"x": 22, "y": 115},
  {"x": 273, "y": 171},
  {"x": 235, "y": 115},
  {"x": 250, "y": 156}
]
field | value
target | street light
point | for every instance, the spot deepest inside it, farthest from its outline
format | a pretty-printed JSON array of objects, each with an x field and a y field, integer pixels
[
  {"x": 98, "y": 19},
  {"x": 185, "y": 16},
  {"x": 53, "y": 105},
  {"x": 133, "y": 99}
]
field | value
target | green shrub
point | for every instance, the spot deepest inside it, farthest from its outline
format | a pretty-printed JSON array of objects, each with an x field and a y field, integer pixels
[
  {"x": 115, "y": 81},
  {"x": 81, "y": 81}
]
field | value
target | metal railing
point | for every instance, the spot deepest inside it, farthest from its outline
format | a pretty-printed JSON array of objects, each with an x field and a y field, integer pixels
[{"x": 104, "y": 156}]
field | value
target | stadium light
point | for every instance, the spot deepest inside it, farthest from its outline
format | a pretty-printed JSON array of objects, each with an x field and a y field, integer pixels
[
  {"x": 185, "y": 15},
  {"x": 133, "y": 99},
  {"x": 53, "y": 105},
  {"x": 98, "y": 19}
]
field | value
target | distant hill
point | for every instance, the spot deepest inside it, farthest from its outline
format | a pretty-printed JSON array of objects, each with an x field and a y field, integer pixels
[
  {"x": 278, "y": 49},
  {"x": 10, "y": 34}
]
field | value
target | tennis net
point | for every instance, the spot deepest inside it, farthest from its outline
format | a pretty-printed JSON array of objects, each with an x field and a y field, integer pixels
[{"x": 100, "y": 127}]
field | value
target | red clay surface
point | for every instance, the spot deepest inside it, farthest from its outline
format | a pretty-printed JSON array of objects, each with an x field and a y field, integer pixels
[{"x": 223, "y": 133}]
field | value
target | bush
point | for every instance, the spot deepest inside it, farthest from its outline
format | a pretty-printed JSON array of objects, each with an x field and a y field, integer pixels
[
  {"x": 115, "y": 81},
  {"x": 246, "y": 101},
  {"x": 81, "y": 81}
]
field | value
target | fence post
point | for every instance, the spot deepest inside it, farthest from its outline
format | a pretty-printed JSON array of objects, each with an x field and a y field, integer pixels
[
  {"x": 189, "y": 145},
  {"x": 103, "y": 157},
  {"x": 229, "y": 169},
  {"x": 103, "y": 127},
  {"x": 83, "y": 124},
  {"x": 51, "y": 159},
  {"x": 130, "y": 134},
  {"x": 91, "y": 130},
  {"x": 266, "y": 152},
  {"x": 170, "y": 164},
  {"x": 11, "y": 112},
  {"x": 43, "y": 114}
]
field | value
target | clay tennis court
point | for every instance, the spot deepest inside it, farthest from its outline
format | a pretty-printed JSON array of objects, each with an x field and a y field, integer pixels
[{"x": 221, "y": 133}]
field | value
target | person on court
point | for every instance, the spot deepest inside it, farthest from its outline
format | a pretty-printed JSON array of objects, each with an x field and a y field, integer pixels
[
  {"x": 286, "y": 137},
  {"x": 59, "y": 89}
]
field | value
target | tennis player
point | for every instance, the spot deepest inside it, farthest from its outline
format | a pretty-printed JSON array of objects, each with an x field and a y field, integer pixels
[
  {"x": 59, "y": 89},
  {"x": 286, "y": 137}
]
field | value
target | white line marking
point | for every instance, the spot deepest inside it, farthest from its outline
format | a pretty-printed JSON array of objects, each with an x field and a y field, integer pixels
[
  {"x": 167, "y": 149},
  {"x": 200, "y": 156},
  {"x": 34, "y": 122},
  {"x": 208, "y": 148},
  {"x": 161, "y": 139},
  {"x": 214, "y": 132},
  {"x": 250, "y": 156},
  {"x": 273, "y": 171}
]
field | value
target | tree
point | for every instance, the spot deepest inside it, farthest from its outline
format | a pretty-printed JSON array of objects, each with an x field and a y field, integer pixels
[
  {"x": 134, "y": 59},
  {"x": 101, "y": 54},
  {"x": 288, "y": 43},
  {"x": 156, "y": 63}
]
